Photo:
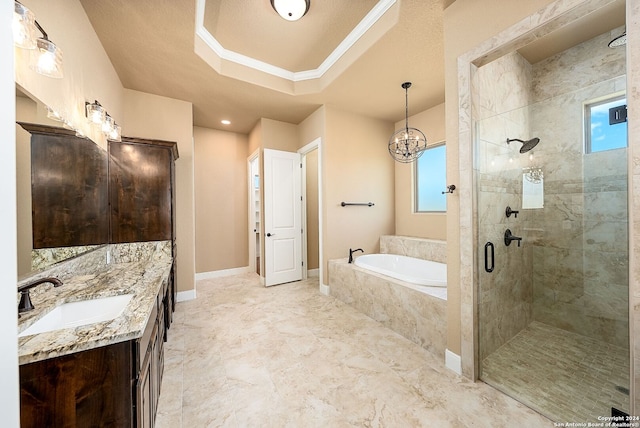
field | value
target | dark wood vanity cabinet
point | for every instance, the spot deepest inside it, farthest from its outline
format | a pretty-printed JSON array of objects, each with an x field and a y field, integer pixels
[
  {"x": 83, "y": 389},
  {"x": 112, "y": 386},
  {"x": 123, "y": 195},
  {"x": 148, "y": 369}
]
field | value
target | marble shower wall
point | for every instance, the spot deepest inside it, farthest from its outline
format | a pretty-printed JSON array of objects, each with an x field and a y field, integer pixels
[
  {"x": 580, "y": 256},
  {"x": 571, "y": 271},
  {"x": 505, "y": 295}
]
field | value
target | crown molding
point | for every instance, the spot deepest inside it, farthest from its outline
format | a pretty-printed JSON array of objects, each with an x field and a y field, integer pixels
[{"x": 223, "y": 54}]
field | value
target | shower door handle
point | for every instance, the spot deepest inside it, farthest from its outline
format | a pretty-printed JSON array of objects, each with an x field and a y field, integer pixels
[{"x": 487, "y": 267}]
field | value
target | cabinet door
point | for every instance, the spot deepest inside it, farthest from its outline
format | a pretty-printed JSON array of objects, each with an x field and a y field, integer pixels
[
  {"x": 140, "y": 192},
  {"x": 69, "y": 192},
  {"x": 78, "y": 389},
  {"x": 145, "y": 397}
]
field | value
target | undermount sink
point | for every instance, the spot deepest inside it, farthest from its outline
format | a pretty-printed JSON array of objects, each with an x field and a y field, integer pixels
[{"x": 75, "y": 314}]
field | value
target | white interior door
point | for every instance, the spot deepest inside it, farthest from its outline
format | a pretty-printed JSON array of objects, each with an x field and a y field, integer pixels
[{"x": 282, "y": 217}]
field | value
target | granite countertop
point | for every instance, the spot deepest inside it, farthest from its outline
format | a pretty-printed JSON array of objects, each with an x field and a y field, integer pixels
[{"x": 142, "y": 278}]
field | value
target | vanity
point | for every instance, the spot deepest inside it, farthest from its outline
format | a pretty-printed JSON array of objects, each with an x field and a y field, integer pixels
[
  {"x": 91, "y": 352},
  {"x": 110, "y": 372}
]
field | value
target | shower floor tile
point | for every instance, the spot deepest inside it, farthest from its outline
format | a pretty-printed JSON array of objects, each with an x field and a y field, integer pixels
[{"x": 563, "y": 375}]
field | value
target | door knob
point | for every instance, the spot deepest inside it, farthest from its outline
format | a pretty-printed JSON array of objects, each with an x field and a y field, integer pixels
[{"x": 271, "y": 234}]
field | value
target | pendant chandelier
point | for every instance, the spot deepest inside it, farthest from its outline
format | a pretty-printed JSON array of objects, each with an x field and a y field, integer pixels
[{"x": 408, "y": 144}]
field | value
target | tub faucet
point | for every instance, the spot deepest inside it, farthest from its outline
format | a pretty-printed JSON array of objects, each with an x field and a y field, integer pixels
[
  {"x": 351, "y": 253},
  {"x": 25, "y": 300}
]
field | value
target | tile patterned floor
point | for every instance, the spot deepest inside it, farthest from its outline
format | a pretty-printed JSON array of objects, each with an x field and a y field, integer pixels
[
  {"x": 242, "y": 355},
  {"x": 565, "y": 376}
]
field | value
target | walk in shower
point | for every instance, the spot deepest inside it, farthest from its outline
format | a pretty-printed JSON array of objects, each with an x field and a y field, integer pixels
[{"x": 551, "y": 186}]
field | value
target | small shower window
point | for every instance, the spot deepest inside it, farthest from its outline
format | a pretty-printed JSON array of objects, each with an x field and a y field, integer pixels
[
  {"x": 431, "y": 179},
  {"x": 606, "y": 124}
]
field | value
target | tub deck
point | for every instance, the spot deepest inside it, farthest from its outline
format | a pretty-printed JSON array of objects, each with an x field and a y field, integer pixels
[{"x": 418, "y": 316}]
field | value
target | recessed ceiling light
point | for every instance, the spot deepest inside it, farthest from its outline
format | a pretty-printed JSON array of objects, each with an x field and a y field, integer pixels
[{"x": 225, "y": 122}]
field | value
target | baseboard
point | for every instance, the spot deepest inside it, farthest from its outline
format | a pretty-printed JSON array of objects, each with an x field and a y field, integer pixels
[
  {"x": 183, "y": 296},
  {"x": 222, "y": 273},
  {"x": 325, "y": 289},
  {"x": 453, "y": 362},
  {"x": 313, "y": 273}
]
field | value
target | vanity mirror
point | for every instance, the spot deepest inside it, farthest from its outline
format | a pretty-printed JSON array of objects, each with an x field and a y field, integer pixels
[{"x": 62, "y": 190}]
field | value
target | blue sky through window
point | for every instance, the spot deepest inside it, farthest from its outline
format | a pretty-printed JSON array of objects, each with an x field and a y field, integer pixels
[
  {"x": 604, "y": 136},
  {"x": 431, "y": 179}
]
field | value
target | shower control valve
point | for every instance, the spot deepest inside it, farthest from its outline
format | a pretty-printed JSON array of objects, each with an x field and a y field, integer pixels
[
  {"x": 509, "y": 211},
  {"x": 508, "y": 237}
]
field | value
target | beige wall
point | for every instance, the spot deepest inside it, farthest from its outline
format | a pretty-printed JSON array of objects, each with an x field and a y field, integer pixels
[
  {"x": 356, "y": 168},
  {"x": 152, "y": 116},
  {"x": 311, "y": 179},
  {"x": 88, "y": 73},
  {"x": 26, "y": 111},
  {"x": 279, "y": 135},
  {"x": 462, "y": 32},
  {"x": 255, "y": 138},
  {"x": 221, "y": 199},
  {"x": 312, "y": 127},
  {"x": 409, "y": 223}
]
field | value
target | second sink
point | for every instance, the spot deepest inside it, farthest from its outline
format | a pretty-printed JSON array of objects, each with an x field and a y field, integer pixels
[{"x": 75, "y": 314}]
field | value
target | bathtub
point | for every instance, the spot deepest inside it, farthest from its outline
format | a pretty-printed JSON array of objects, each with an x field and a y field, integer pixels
[
  {"x": 417, "y": 312},
  {"x": 408, "y": 269}
]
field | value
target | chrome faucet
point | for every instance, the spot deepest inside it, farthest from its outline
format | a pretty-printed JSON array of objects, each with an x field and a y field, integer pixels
[
  {"x": 25, "y": 300},
  {"x": 351, "y": 253}
]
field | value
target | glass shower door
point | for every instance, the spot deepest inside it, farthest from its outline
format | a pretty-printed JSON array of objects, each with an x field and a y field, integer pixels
[{"x": 553, "y": 311}]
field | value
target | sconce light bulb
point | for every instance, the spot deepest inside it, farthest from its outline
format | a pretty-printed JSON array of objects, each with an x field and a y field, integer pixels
[{"x": 24, "y": 29}]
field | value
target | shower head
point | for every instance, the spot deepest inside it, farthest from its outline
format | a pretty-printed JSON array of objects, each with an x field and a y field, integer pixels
[
  {"x": 621, "y": 40},
  {"x": 526, "y": 145}
]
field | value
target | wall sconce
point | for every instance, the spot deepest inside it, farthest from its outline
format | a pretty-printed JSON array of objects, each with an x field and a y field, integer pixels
[
  {"x": 46, "y": 57},
  {"x": 98, "y": 116},
  {"x": 95, "y": 112},
  {"x": 24, "y": 28}
]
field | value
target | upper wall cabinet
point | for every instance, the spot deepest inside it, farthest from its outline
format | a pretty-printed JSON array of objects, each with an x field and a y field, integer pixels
[
  {"x": 69, "y": 197},
  {"x": 81, "y": 195},
  {"x": 141, "y": 188}
]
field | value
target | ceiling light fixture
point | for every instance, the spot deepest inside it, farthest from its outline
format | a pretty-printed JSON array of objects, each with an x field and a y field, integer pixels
[
  {"x": 408, "y": 144},
  {"x": 291, "y": 10},
  {"x": 46, "y": 57},
  {"x": 225, "y": 122}
]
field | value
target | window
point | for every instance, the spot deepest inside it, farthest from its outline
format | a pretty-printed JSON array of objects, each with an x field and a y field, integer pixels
[
  {"x": 606, "y": 124},
  {"x": 431, "y": 179}
]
